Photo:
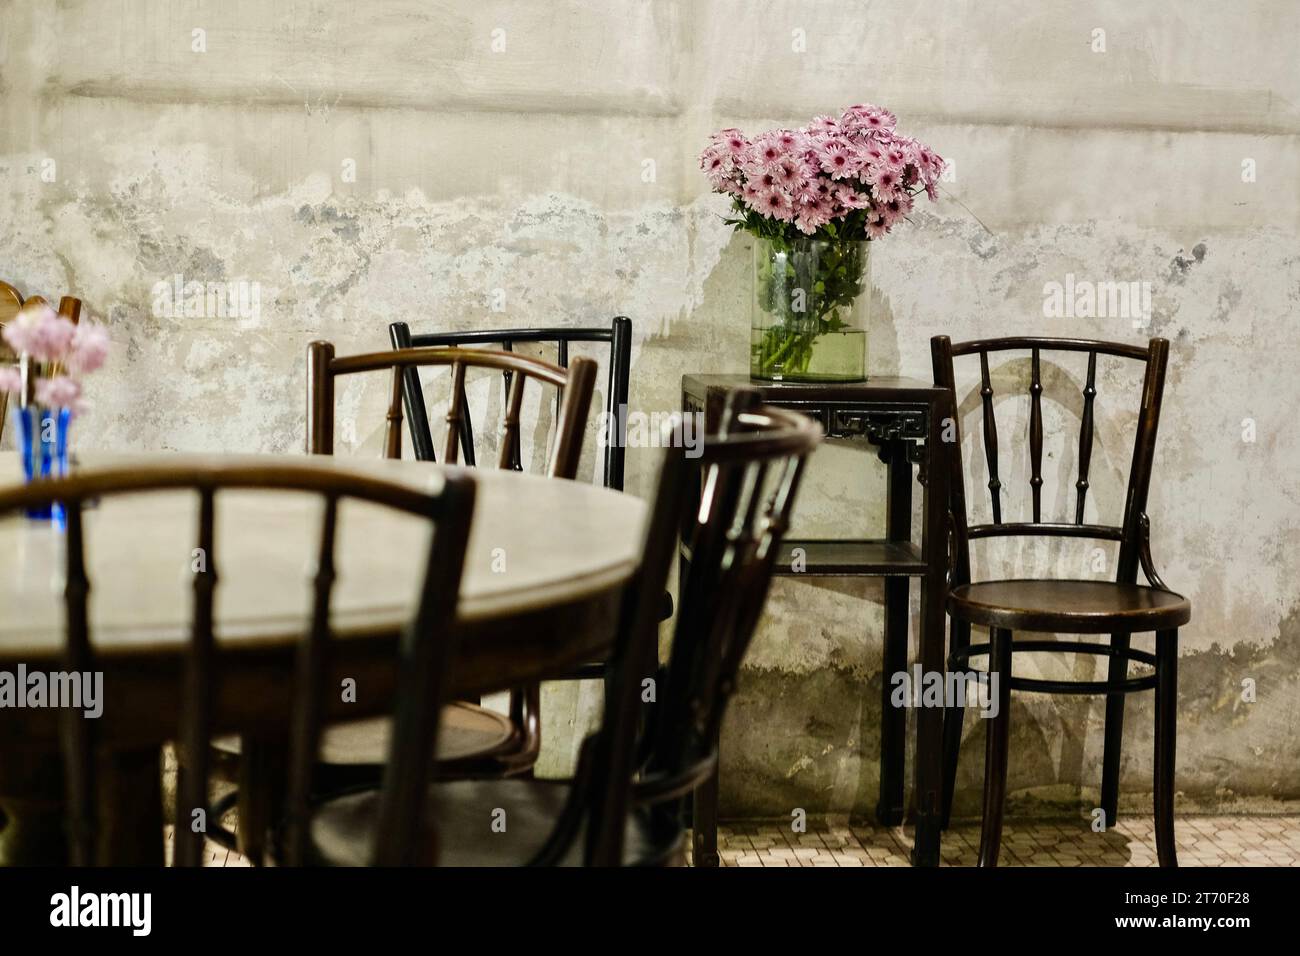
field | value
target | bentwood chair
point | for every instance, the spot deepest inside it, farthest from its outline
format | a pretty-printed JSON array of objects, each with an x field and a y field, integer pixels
[
  {"x": 618, "y": 337},
  {"x": 475, "y": 741},
  {"x": 489, "y": 742},
  {"x": 425, "y": 649},
  {"x": 1119, "y": 608},
  {"x": 622, "y": 805},
  {"x": 11, "y": 303}
]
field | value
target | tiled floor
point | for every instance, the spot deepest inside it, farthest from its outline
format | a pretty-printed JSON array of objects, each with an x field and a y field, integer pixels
[{"x": 1202, "y": 841}]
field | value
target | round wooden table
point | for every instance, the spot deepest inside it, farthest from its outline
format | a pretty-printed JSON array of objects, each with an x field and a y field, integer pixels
[{"x": 546, "y": 564}]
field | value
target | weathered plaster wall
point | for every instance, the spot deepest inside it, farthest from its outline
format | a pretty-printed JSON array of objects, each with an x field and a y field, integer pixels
[{"x": 520, "y": 178}]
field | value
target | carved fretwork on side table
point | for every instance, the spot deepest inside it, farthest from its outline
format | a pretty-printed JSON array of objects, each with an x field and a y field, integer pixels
[{"x": 904, "y": 419}]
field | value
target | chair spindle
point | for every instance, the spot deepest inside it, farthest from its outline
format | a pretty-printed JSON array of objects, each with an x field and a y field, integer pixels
[
  {"x": 990, "y": 438},
  {"x": 196, "y": 719},
  {"x": 455, "y": 407},
  {"x": 1036, "y": 435},
  {"x": 78, "y": 740},
  {"x": 313, "y": 670},
  {"x": 508, "y": 455},
  {"x": 393, "y": 419},
  {"x": 1085, "y": 437}
]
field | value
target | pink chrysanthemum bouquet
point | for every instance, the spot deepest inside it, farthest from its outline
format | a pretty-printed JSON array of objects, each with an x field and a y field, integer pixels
[
  {"x": 814, "y": 197},
  {"x": 849, "y": 178}
]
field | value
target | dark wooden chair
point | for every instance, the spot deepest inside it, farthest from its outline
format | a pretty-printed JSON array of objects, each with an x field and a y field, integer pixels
[
  {"x": 1120, "y": 608},
  {"x": 503, "y": 745},
  {"x": 617, "y": 338},
  {"x": 623, "y": 804},
  {"x": 474, "y": 741},
  {"x": 425, "y": 649},
  {"x": 485, "y": 742}
]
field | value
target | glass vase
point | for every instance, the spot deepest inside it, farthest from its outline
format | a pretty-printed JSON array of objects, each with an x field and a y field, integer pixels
[
  {"x": 810, "y": 309},
  {"x": 42, "y": 442}
]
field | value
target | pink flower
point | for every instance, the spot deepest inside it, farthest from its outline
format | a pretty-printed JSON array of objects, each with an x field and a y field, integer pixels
[
  {"x": 734, "y": 141},
  {"x": 882, "y": 119},
  {"x": 895, "y": 209},
  {"x": 884, "y": 180},
  {"x": 788, "y": 173},
  {"x": 11, "y": 380},
  {"x": 837, "y": 159},
  {"x": 768, "y": 152},
  {"x": 808, "y": 191},
  {"x": 716, "y": 169},
  {"x": 790, "y": 140},
  {"x": 775, "y": 203},
  {"x": 872, "y": 153},
  {"x": 869, "y": 117},
  {"x": 89, "y": 348},
  {"x": 850, "y": 198},
  {"x": 932, "y": 167},
  {"x": 826, "y": 125},
  {"x": 58, "y": 392},
  {"x": 877, "y": 228},
  {"x": 40, "y": 332},
  {"x": 811, "y": 216}
]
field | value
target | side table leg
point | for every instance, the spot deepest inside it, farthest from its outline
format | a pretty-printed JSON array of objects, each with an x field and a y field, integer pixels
[
  {"x": 893, "y": 720},
  {"x": 929, "y": 720}
]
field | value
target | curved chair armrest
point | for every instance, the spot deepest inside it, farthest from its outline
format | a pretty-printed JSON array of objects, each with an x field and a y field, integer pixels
[{"x": 1144, "y": 555}]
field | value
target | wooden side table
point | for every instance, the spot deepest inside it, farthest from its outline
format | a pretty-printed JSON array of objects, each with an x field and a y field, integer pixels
[{"x": 904, "y": 418}]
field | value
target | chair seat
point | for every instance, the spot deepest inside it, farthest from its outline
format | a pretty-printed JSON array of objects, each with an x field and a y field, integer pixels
[
  {"x": 1069, "y": 607},
  {"x": 342, "y": 829},
  {"x": 466, "y": 731}
]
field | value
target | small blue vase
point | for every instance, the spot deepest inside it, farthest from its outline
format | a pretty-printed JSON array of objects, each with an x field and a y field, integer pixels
[{"x": 43, "y": 447}]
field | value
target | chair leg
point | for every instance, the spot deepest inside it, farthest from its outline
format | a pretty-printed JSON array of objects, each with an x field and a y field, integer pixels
[
  {"x": 704, "y": 823},
  {"x": 1116, "y": 673},
  {"x": 995, "y": 753},
  {"x": 257, "y": 780},
  {"x": 954, "y": 717},
  {"x": 893, "y": 720},
  {"x": 261, "y": 799},
  {"x": 1166, "y": 744}
]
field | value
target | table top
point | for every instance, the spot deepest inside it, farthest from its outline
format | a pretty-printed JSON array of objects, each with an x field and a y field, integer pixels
[{"x": 534, "y": 542}]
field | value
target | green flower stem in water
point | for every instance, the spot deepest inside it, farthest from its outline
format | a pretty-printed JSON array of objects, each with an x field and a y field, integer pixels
[{"x": 801, "y": 286}]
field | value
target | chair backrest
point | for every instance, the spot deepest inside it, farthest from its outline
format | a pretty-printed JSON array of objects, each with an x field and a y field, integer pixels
[
  {"x": 618, "y": 337},
  {"x": 735, "y": 520},
  {"x": 425, "y": 650},
  {"x": 573, "y": 385},
  {"x": 1154, "y": 357}
]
